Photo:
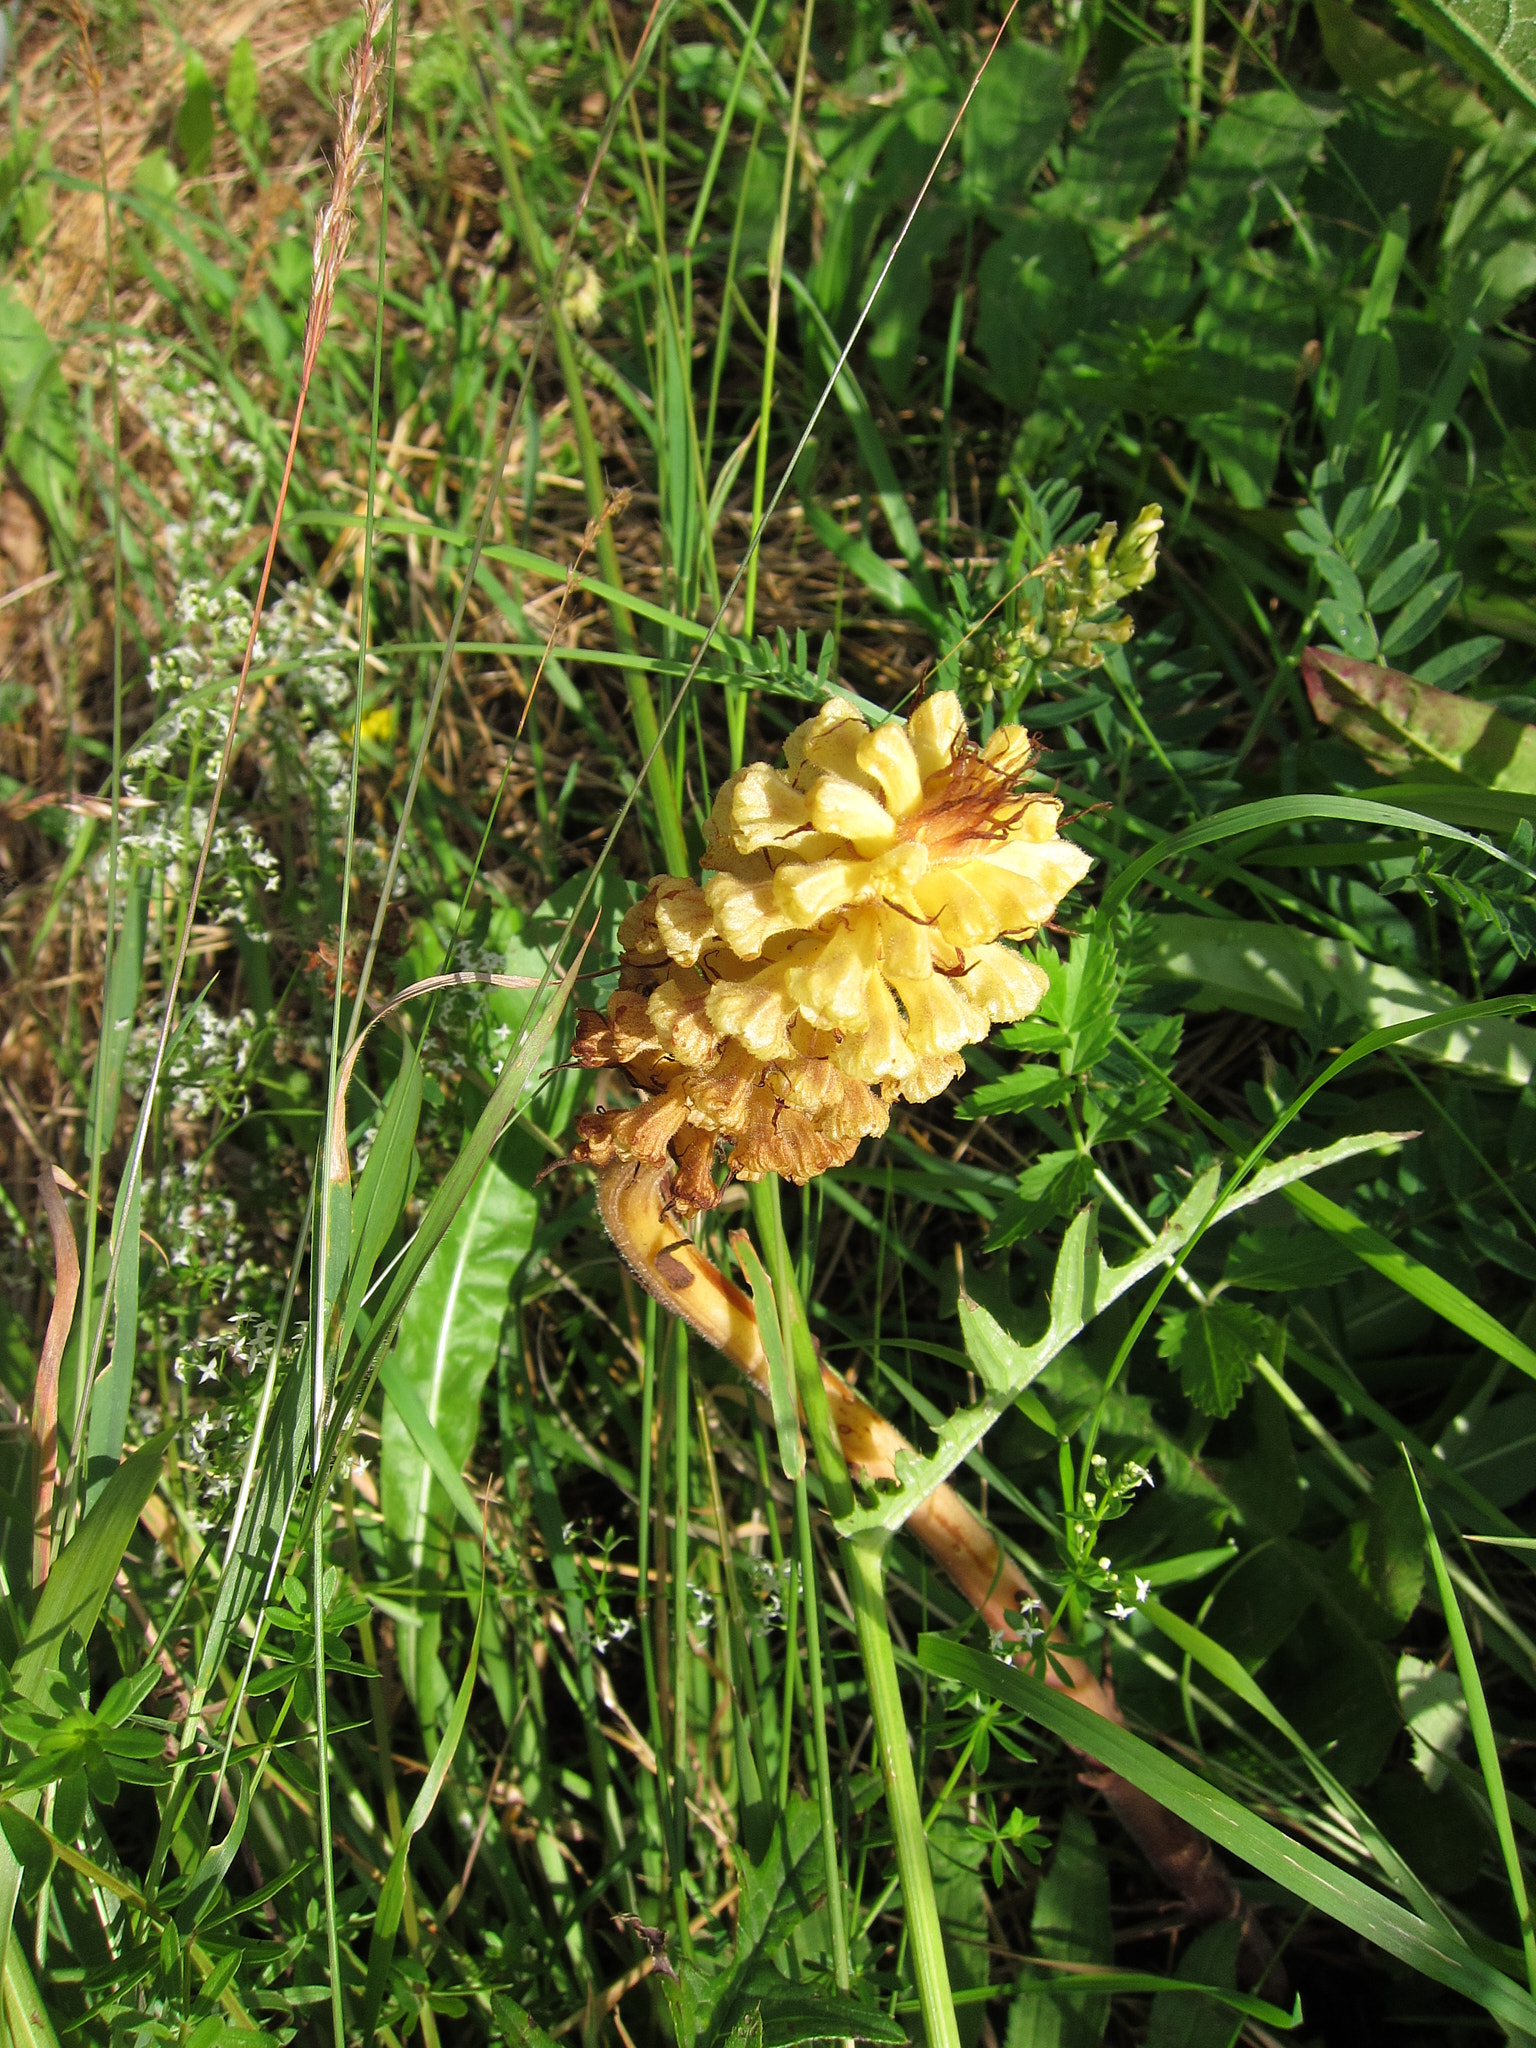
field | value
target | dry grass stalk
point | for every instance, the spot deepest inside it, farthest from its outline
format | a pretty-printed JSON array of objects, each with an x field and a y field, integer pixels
[
  {"x": 45, "y": 1396},
  {"x": 336, "y": 220}
]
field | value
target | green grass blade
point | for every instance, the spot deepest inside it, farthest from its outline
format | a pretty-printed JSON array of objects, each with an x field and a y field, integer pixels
[
  {"x": 786, "y": 1413},
  {"x": 1482, "y": 1734},
  {"x": 1302, "y": 1873},
  {"x": 1283, "y": 810},
  {"x": 1222, "y": 1665},
  {"x": 1413, "y": 1277}
]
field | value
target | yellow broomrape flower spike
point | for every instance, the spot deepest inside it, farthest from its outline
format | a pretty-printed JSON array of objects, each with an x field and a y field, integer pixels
[{"x": 853, "y": 938}]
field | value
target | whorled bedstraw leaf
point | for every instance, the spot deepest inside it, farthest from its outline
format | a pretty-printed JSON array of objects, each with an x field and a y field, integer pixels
[{"x": 1212, "y": 1346}]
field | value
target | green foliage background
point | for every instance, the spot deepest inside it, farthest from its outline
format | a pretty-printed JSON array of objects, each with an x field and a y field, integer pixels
[{"x": 339, "y": 1716}]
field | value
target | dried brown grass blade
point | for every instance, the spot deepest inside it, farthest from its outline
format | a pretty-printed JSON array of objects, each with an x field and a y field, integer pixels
[{"x": 45, "y": 1393}]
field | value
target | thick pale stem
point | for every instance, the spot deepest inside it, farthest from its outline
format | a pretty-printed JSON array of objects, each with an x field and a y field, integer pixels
[{"x": 632, "y": 1200}]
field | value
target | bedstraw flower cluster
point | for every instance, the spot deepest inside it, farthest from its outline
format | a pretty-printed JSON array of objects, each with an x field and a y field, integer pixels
[{"x": 847, "y": 945}]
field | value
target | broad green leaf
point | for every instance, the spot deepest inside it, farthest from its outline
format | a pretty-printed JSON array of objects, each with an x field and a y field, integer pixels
[
  {"x": 1405, "y": 727},
  {"x": 1212, "y": 1346},
  {"x": 193, "y": 126},
  {"x": 513, "y": 2026},
  {"x": 1280, "y": 1261},
  {"x": 242, "y": 88},
  {"x": 1018, "y": 110},
  {"x": 1494, "y": 40},
  {"x": 1496, "y": 1451},
  {"x": 1116, "y": 164},
  {"x": 1056, "y": 1182},
  {"x": 28, "y": 2023},
  {"x": 802, "y": 2014},
  {"x": 956, "y": 1851},
  {"x": 1420, "y": 615},
  {"x": 1213, "y": 1657},
  {"x": 69, "y": 1604},
  {"x": 1291, "y": 976},
  {"x": 1299, "y": 1870},
  {"x": 40, "y": 438},
  {"x": 1384, "y": 1557},
  {"x": 1176, "y": 2023},
  {"x": 1035, "y": 1087},
  {"x": 449, "y": 1335},
  {"x": 1070, "y": 1924},
  {"x": 1032, "y": 283},
  {"x": 1414, "y": 1277},
  {"x": 1402, "y": 576},
  {"x": 895, "y": 328},
  {"x": 1252, "y": 162},
  {"x": 1369, "y": 61},
  {"x": 1435, "y": 1714},
  {"x": 84, "y": 1570}
]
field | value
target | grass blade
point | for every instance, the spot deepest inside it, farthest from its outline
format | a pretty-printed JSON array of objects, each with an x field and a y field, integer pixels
[
  {"x": 1305, "y": 1875},
  {"x": 1482, "y": 1733}
]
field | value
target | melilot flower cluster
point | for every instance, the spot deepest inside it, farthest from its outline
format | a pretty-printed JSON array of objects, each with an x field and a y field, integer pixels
[{"x": 847, "y": 946}]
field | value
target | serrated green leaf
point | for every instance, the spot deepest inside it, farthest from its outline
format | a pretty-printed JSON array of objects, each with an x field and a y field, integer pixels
[{"x": 1212, "y": 1346}]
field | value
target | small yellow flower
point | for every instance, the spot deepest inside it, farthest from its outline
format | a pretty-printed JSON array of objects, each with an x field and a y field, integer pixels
[
  {"x": 850, "y": 943},
  {"x": 378, "y": 726}
]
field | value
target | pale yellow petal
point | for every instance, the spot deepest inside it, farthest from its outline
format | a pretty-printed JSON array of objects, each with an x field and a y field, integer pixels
[
  {"x": 830, "y": 740},
  {"x": 906, "y": 948},
  {"x": 826, "y": 978},
  {"x": 1010, "y": 751},
  {"x": 939, "y": 1018},
  {"x": 853, "y": 813},
  {"x": 756, "y": 1012},
  {"x": 683, "y": 919},
  {"x": 766, "y": 809},
  {"x": 882, "y": 1052},
  {"x": 746, "y": 914},
  {"x": 1053, "y": 868},
  {"x": 681, "y": 1019},
  {"x": 888, "y": 755},
  {"x": 808, "y": 891},
  {"x": 961, "y": 913},
  {"x": 932, "y": 1076},
  {"x": 935, "y": 729},
  {"x": 1003, "y": 984}
]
